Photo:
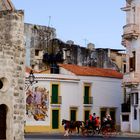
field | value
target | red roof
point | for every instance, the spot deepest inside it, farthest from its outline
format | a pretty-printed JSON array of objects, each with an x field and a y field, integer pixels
[{"x": 92, "y": 71}]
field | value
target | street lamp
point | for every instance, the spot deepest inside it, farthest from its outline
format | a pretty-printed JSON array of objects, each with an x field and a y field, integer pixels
[
  {"x": 31, "y": 77},
  {"x": 30, "y": 80}
]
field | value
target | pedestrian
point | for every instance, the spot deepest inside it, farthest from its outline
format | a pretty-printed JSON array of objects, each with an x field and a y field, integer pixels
[
  {"x": 107, "y": 120},
  {"x": 94, "y": 116},
  {"x": 97, "y": 123},
  {"x": 90, "y": 117}
]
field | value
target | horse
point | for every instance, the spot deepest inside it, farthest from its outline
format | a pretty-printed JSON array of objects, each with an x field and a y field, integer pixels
[{"x": 72, "y": 125}]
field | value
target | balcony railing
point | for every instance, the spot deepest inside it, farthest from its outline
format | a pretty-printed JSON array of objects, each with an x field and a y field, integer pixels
[
  {"x": 88, "y": 100},
  {"x": 56, "y": 100},
  {"x": 130, "y": 31},
  {"x": 131, "y": 77},
  {"x": 125, "y": 108}
]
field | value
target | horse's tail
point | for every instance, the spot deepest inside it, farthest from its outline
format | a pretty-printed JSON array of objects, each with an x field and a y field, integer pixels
[{"x": 83, "y": 122}]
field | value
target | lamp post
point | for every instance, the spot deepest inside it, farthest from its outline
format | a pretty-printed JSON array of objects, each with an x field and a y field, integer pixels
[{"x": 30, "y": 80}]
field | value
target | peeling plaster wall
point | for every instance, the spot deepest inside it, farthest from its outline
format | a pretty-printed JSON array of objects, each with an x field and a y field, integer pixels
[{"x": 36, "y": 38}]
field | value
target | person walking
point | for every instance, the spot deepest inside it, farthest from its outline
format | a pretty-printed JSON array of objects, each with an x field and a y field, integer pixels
[{"x": 90, "y": 117}]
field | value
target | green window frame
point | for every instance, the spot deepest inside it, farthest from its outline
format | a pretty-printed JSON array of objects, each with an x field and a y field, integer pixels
[
  {"x": 86, "y": 94},
  {"x": 54, "y": 93}
]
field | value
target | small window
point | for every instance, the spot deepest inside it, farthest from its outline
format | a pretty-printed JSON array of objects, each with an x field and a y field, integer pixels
[
  {"x": 132, "y": 62},
  {"x": 124, "y": 68},
  {"x": 135, "y": 114},
  {"x": 136, "y": 98},
  {"x": 36, "y": 52},
  {"x": 132, "y": 99},
  {"x": 125, "y": 118}
]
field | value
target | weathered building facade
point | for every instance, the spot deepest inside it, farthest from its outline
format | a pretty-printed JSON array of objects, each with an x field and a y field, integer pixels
[
  {"x": 70, "y": 53},
  {"x": 12, "y": 72},
  {"x": 131, "y": 80},
  {"x": 36, "y": 43},
  {"x": 43, "y": 48}
]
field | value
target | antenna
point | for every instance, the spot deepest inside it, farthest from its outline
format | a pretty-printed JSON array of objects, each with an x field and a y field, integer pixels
[
  {"x": 85, "y": 40},
  {"x": 49, "y": 21}
]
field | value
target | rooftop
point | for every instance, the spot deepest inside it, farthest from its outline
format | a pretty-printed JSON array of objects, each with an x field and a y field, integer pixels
[
  {"x": 91, "y": 71},
  {"x": 84, "y": 71}
]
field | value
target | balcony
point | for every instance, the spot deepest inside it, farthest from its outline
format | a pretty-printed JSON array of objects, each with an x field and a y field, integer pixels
[
  {"x": 56, "y": 100},
  {"x": 130, "y": 31},
  {"x": 88, "y": 100},
  {"x": 125, "y": 108},
  {"x": 126, "y": 8},
  {"x": 131, "y": 78}
]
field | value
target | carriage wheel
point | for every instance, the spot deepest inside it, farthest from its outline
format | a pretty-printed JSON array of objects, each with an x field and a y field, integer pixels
[
  {"x": 90, "y": 132},
  {"x": 106, "y": 132},
  {"x": 85, "y": 132},
  {"x": 113, "y": 132}
]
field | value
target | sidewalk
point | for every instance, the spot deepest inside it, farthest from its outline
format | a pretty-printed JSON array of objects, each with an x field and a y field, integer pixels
[{"x": 128, "y": 134}]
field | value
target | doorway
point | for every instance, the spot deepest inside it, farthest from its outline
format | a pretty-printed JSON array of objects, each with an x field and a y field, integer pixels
[
  {"x": 3, "y": 113},
  {"x": 102, "y": 114},
  {"x": 86, "y": 115},
  {"x": 55, "y": 119},
  {"x": 72, "y": 115}
]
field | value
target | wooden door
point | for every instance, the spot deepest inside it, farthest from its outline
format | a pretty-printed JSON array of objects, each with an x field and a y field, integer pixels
[
  {"x": 87, "y": 113},
  {"x": 55, "y": 119},
  {"x": 73, "y": 115}
]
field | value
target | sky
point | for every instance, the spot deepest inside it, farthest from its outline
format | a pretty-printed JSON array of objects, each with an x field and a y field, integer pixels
[{"x": 84, "y": 21}]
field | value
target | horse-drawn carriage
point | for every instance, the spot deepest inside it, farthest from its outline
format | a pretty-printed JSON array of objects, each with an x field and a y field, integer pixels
[
  {"x": 106, "y": 129},
  {"x": 89, "y": 128}
]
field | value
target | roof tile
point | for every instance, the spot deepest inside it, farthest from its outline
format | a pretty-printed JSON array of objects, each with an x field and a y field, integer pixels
[{"x": 92, "y": 71}]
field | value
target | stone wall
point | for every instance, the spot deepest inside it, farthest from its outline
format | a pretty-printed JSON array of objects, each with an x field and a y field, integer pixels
[
  {"x": 36, "y": 38},
  {"x": 12, "y": 72},
  {"x": 95, "y": 57}
]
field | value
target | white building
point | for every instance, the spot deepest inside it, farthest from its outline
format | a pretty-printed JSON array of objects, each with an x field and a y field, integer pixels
[
  {"x": 73, "y": 94},
  {"x": 131, "y": 80}
]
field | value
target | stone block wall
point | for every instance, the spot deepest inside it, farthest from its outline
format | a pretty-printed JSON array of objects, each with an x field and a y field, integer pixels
[{"x": 12, "y": 72}]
